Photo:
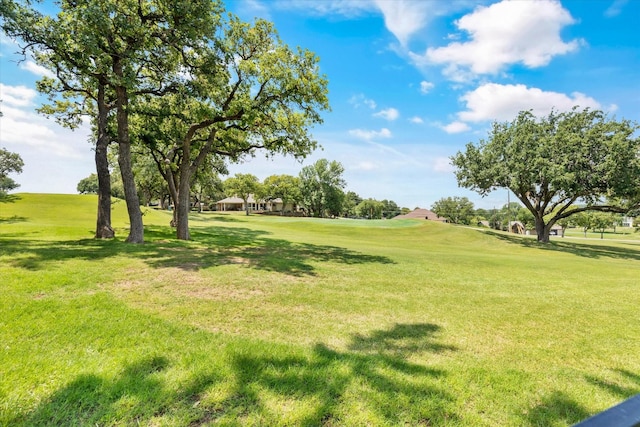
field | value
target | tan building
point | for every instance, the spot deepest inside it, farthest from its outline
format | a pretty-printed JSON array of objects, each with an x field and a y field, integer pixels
[
  {"x": 237, "y": 204},
  {"x": 422, "y": 214}
]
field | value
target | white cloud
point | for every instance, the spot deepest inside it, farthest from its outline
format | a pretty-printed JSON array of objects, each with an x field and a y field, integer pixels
[
  {"x": 615, "y": 9},
  {"x": 22, "y": 127},
  {"x": 403, "y": 17},
  {"x": 255, "y": 8},
  {"x": 502, "y": 34},
  {"x": 369, "y": 135},
  {"x": 426, "y": 86},
  {"x": 360, "y": 100},
  {"x": 36, "y": 69},
  {"x": 456, "y": 127},
  {"x": 417, "y": 120},
  {"x": 443, "y": 164},
  {"x": 17, "y": 96},
  {"x": 390, "y": 114},
  {"x": 346, "y": 8},
  {"x": 493, "y": 101}
]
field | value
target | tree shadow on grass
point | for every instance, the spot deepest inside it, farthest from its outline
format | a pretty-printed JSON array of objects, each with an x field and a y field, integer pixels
[
  {"x": 383, "y": 386},
  {"x": 213, "y": 246},
  {"x": 624, "y": 391},
  {"x": 578, "y": 249},
  {"x": 556, "y": 409},
  {"x": 136, "y": 395},
  {"x": 264, "y": 386},
  {"x": 9, "y": 198},
  {"x": 401, "y": 340},
  {"x": 13, "y": 219}
]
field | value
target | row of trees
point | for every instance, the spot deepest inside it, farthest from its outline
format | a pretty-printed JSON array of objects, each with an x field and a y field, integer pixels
[
  {"x": 319, "y": 190},
  {"x": 180, "y": 84},
  {"x": 460, "y": 210}
]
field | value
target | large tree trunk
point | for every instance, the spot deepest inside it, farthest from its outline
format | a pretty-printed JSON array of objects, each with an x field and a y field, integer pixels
[
  {"x": 170, "y": 178},
  {"x": 542, "y": 230},
  {"x": 136, "y": 227},
  {"x": 136, "y": 230},
  {"x": 183, "y": 206},
  {"x": 103, "y": 221}
]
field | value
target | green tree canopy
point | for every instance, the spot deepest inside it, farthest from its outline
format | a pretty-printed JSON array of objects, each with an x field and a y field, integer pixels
[
  {"x": 601, "y": 221},
  {"x": 104, "y": 54},
  {"x": 246, "y": 91},
  {"x": 370, "y": 209},
  {"x": 9, "y": 163},
  {"x": 555, "y": 161},
  {"x": 243, "y": 185},
  {"x": 88, "y": 185},
  {"x": 284, "y": 187},
  {"x": 391, "y": 209},
  {"x": 351, "y": 200},
  {"x": 458, "y": 210},
  {"x": 321, "y": 188}
]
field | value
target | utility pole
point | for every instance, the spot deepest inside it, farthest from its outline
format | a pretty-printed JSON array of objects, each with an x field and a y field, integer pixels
[{"x": 508, "y": 211}]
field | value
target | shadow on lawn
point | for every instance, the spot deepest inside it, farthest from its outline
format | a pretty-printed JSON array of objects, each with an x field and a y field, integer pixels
[
  {"x": 267, "y": 387},
  {"x": 579, "y": 249},
  {"x": 212, "y": 246},
  {"x": 559, "y": 407},
  {"x": 9, "y": 198},
  {"x": 135, "y": 396},
  {"x": 615, "y": 387},
  {"x": 556, "y": 408},
  {"x": 384, "y": 386},
  {"x": 13, "y": 219}
]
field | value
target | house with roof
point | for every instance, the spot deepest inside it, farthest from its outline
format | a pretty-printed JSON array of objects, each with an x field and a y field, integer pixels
[
  {"x": 234, "y": 203},
  {"x": 419, "y": 213}
]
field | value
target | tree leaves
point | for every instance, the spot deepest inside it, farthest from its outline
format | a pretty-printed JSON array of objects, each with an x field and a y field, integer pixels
[{"x": 552, "y": 162}]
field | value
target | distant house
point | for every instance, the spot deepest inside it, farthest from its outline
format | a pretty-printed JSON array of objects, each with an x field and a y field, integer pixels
[
  {"x": 422, "y": 214},
  {"x": 237, "y": 204},
  {"x": 556, "y": 230},
  {"x": 627, "y": 221}
]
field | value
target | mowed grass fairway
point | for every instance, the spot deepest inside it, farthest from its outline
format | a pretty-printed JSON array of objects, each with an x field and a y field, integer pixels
[{"x": 296, "y": 321}]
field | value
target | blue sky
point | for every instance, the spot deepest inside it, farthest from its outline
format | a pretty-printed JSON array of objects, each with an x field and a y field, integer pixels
[{"x": 411, "y": 83}]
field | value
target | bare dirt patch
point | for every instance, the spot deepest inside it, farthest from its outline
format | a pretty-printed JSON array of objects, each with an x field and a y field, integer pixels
[{"x": 181, "y": 282}]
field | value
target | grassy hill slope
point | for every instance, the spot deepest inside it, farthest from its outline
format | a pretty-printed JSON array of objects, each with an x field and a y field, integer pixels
[{"x": 298, "y": 321}]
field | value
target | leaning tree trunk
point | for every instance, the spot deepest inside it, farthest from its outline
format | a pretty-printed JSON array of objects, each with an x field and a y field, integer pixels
[
  {"x": 136, "y": 230},
  {"x": 103, "y": 221},
  {"x": 170, "y": 178}
]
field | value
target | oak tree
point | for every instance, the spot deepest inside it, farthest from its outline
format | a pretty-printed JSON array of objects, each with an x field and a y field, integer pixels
[
  {"x": 321, "y": 188},
  {"x": 244, "y": 91},
  {"x": 554, "y": 162},
  {"x": 458, "y": 210},
  {"x": 103, "y": 55},
  {"x": 242, "y": 185},
  {"x": 283, "y": 187},
  {"x": 9, "y": 163}
]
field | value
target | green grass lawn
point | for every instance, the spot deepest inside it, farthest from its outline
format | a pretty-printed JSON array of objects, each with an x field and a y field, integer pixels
[{"x": 264, "y": 320}]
